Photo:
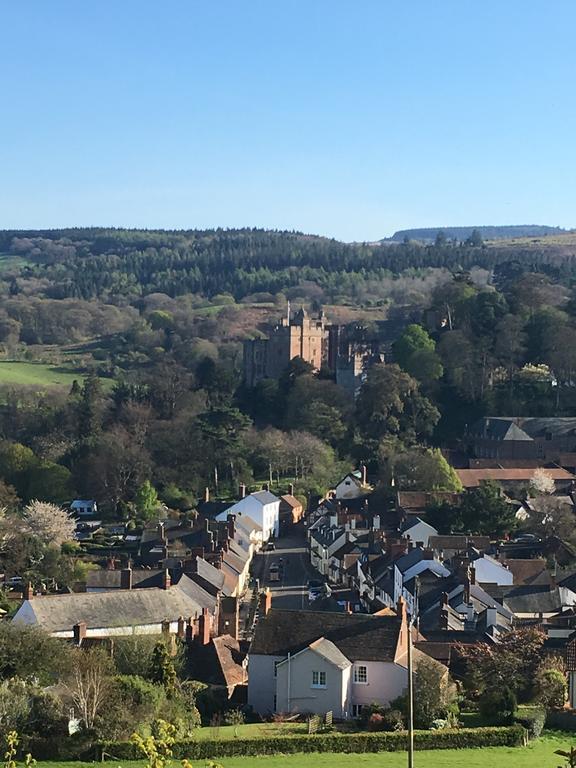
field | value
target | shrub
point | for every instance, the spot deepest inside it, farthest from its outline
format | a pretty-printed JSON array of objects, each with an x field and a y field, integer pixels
[
  {"x": 386, "y": 720},
  {"x": 533, "y": 720},
  {"x": 234, "y": 717},
  {"x": 550, "y": 688},
  {"x": 498, "y": 706}
]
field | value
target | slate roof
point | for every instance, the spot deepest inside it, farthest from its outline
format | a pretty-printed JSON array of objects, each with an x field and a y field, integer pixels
[
  {"x": 111, "y": 579},
  {"x": 458, "y": 542},
  {"x": 120, "y": 608},
  {"x": 495, "y": 428},
  {"x": 264, "y": 497},
  {"x": 413, "y": 522},
  {"x": 330, "y": 652},
  {"x": 360, "y": 637},
  {"x": 532, "y": 599}
]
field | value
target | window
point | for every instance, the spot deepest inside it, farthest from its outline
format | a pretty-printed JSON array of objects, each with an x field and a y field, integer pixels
[
  {"x": 318, "y": 679},
  {"x": 356, "y": 710},
  {"x": 361, "y": 674}
]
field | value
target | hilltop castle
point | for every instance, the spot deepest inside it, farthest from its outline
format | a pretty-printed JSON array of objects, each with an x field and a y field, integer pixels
[{"x": 316, "y": 342}]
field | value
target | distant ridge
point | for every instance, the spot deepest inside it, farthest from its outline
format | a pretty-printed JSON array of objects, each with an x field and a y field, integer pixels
[{"x": 428, "y": 234}]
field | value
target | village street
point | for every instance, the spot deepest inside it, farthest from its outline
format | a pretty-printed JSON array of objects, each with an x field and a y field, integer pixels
[{"x": 291, "y": 555}]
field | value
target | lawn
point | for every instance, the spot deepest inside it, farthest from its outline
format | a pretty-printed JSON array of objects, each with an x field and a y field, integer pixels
[
  {"x": 249, "y": 731},
  {"x": 39, "y": 375},
  {"x": 537, "y": 755}
]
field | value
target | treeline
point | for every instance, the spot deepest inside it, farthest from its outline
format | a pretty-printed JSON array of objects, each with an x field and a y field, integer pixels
[{"x": 96, "y": 263}]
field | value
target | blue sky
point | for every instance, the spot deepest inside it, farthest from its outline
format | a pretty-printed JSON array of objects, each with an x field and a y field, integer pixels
[{"x": 348, "y": 119}]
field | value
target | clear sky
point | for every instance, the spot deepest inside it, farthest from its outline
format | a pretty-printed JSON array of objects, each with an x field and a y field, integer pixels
[{"x": 349, "y": 118}]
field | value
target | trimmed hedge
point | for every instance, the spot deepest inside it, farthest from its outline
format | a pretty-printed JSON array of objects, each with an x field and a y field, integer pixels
[
  {"x": 533, "y": 720},
  {"x": 459, "y": 738}
]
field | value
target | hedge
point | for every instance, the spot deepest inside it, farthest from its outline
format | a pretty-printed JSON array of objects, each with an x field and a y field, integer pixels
[{"x": 459, "y": 738}]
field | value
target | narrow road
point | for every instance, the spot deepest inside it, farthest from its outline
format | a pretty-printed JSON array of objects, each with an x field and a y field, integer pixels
[{"x": 292, "y": 554}]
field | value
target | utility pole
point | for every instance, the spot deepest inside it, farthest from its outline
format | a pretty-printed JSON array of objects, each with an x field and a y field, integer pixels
[{"x": 410, "y": 699}]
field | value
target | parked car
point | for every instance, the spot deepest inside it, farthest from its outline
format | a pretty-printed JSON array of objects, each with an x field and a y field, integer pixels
[
  {"x": 274, "y": 572},
  {"x": 14, "y": 581},
  {"x": 318, "y": 590}
]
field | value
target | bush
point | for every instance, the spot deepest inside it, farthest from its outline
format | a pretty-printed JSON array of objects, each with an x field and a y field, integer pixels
[
  {"x": 551, "y": 689},
  {"x": 533, "y": 720},
  {"x": 234, "y": 717},
  {"x": 386, "y": 720},
  {"x": 511, "y": 736},
  {"x": 498, "y": 706}
]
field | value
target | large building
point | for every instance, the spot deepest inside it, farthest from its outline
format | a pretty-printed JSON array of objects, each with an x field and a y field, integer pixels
[
  {"x": 315, "y": 342},
  {"x": 295, "y": 336}
]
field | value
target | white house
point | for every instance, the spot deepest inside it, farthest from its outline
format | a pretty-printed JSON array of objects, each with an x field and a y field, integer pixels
[
  {"x": 353, "y": 485},
  {"x": 84, "y": 507},
  {"x": 307, "y": 661},
  {"x": 121, "y": 612},
  {"x": 324, "y": 541},
  {"x": 414, "y": 563},
  {"x": 263, "y": 507},
  {"x": 418, "y": 531}
]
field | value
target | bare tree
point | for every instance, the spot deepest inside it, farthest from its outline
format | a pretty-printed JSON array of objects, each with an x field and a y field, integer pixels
[
  {"x": 89, "y": 685},
  {"x": 48, "y": 522}
]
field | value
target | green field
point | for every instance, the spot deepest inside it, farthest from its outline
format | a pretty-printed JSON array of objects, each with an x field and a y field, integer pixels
[
  {"x": 537, "y": 755},
  {"x": 38, "y": 375}
]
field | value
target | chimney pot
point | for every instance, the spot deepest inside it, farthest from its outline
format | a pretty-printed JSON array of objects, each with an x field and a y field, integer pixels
[
  {"x": 181, "y": 627},
  {"x": 242, "y": 490},
  {"x": 166, "y": 580},
  {"x": 27, "y": 592},
  {"x": 166, "y": 627}
]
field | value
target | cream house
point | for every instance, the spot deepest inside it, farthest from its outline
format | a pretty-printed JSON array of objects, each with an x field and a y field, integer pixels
[{"x": 307, "y": 661}]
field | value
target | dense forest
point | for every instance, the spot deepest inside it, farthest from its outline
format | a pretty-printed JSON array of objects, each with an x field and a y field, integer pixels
[{"x": 153, "y": 322}]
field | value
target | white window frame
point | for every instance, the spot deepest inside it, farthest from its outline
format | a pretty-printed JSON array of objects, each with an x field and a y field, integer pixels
[
  {"x": 360, "y": 670},
  {"x": 318, "y": 679}
]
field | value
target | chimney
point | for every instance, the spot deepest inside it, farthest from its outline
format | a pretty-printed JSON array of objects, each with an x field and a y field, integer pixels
[
  {"x": 472, "y": 575},
  {"x": 189, "y": 630},
  {"x": 160, "y": 531},
  {"x": 410, "y": 546},
  {"x": 265, "y": 602},
  {"x": 242, "y": 490},
  {"x": 291, "y": 489},
  {"x": 266, "y": 487},
  {"x": 491, "y": 617},
  {"x": 428, "y": 554},
  {"x": 206, "y": 494},
  {"x": 217, "y": 561},
  {"x": 166, "y": 628},
  {"x": 166, "y": 580},
  {"x": 181, "y": 631},
  {"x": 231, "y": 526},
  {"x": 126, "y": 578},
  {"x": 79, "y": 632},
  {"x": 27, "y": 592},
  {"x": 204, "y": 627},
  {"x": 353, "y": 523}
]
